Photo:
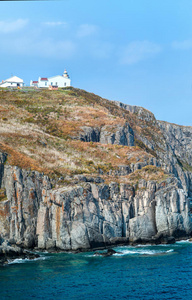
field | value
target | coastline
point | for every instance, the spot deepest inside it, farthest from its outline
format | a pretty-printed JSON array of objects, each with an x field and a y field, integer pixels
[
  {"x": 12, "y": 252},
  {"x": 167, "y": 241}
]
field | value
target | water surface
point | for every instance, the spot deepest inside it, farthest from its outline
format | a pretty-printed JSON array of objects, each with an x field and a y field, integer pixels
[{"x": 142, "y": 272}]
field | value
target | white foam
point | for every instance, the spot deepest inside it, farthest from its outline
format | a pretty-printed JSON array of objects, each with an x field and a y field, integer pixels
[
  {"x": 135, "y": 251},
  {"x": 23, "y": 260},
  {"x": 171, "y": 250},
  {"x": 184, "y": 241},
  {"x": 142, "y": 252},
  {"x": 142, "y": 245},
  {"x": 94, "y": 255}
]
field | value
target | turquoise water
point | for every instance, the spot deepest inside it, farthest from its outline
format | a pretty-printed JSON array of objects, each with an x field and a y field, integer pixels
[{"x": 149, "y": 272}]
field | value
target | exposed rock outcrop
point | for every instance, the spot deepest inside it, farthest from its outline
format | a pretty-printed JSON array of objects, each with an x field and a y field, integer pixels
[
  {"x": 89, "y": 215},
  {"x": 179, "y": 157},
  {"x": 171, "y": 144},
  {"x": 179, "y": 139},
  {"x": 109, "y": 252},
  {"x": 10, "y": 252},
  {"x": 108, "y": 134}
]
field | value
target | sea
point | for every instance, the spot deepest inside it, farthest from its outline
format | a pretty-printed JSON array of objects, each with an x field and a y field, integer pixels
[{"x": 141, "y": 272}]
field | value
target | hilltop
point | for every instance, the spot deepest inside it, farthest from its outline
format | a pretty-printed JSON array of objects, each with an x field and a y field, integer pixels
[{"x": 49, "y": 131}]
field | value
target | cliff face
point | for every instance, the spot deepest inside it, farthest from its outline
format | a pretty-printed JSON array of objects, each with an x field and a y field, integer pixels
[
  {"x": 136, "y": 173},
  {"x": 179, "y": 140},
  {"x": 89, "y": 215},
  {"x": 171, "y": 143},
  {"x": 119, "y": 135}
]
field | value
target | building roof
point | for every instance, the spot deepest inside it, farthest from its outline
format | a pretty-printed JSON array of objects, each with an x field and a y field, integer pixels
[
  {"x": 14, "y": 79},
  {"x": 44, "y": 79},
  {"x": 35, "y": 81}
]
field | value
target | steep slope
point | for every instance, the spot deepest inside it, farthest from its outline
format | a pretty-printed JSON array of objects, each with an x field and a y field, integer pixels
[{"x": 79, "y": 171}]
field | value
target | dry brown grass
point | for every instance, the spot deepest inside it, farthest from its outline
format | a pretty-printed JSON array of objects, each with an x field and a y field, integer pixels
[
  {"x": 15, "y": 158},
  {"x": 30, "y": 117},
  {"x": 148, "y": 173}
]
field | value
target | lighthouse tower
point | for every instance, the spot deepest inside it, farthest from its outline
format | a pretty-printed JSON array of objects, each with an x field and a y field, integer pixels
[{"x": 65, "y": 74}]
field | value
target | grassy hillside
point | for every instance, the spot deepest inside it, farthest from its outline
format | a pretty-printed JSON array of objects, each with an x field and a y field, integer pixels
[{"x": 39, "y": 129}]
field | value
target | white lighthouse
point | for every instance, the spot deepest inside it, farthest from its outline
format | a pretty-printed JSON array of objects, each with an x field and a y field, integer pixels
[
  {"x": 65, "y": 74},
  {"x": 57, "y": 81}
]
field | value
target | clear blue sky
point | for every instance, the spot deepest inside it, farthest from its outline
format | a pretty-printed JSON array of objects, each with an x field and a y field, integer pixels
[{"x": 135, "y": 51}]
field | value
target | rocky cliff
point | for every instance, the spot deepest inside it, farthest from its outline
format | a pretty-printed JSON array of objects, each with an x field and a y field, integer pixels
[
  {"x": 89, "y": 215},
  {"x": 135, "y": 180}
]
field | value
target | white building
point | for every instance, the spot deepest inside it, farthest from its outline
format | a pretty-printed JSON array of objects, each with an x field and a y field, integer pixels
[
  {"x": 34, "y": 83},
  {"x": 13, "y": 81},
  {"x": 58, "y": 81}
]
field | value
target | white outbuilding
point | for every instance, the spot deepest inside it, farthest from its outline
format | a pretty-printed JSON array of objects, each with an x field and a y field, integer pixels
[
  {"x": 57, "y": 81},
  {"x": 13, "y": 81}
]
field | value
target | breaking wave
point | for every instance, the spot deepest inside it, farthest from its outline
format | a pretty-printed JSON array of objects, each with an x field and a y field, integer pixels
[
  {"x": 142, "y": 252},
  {"x": 183, "y": 241},
  {"x": 136, "y": 251},
  {"x": 24, "y": 260}
]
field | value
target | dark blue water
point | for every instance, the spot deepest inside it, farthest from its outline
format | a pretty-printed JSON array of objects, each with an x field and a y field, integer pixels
[{"x": 150, "y": 272}]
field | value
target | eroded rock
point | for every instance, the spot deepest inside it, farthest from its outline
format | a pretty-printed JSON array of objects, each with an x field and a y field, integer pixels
[{"x": 91, "y": 215}]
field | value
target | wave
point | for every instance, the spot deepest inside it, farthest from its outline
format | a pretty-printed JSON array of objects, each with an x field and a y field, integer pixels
[
  {"x": 135, "y": 251},
  {"x": 143, "y": 252},
  {"x": 23, "y": 260},
  {"x": 183, "y": 241}
]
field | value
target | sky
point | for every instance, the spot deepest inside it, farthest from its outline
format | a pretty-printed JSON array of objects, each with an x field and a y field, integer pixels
[{"x": 138, "y": 52}]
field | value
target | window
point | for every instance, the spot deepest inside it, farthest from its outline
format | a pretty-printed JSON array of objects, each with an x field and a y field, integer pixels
[
  {"x": 46, "y": 83},
  {"x": 55, "y": 83},
  {"x": 51, "y": 83},
  {"x": 65, "y": 84}
]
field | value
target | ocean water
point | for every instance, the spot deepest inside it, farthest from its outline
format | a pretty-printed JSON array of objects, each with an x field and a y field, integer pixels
[{"x": 142, "y": 272}]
